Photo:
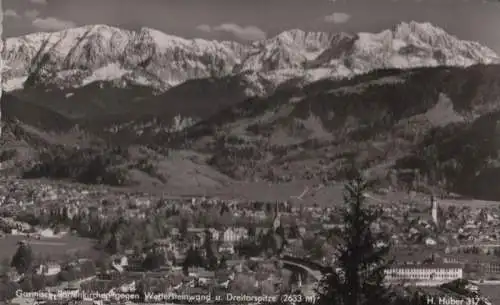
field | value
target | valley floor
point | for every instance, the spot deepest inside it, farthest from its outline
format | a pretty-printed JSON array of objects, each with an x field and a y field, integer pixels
[
  {"x": 306, "y": 192},
  {"x": 54, "y": 248}
]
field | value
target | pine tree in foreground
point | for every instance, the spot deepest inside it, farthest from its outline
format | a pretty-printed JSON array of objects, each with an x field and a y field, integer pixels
[
  {"x": 23, "y": 258},
  {"x": 358, "y": 277}
]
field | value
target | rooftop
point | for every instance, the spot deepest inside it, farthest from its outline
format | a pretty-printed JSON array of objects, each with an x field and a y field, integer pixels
[{"x": 428, "y": 266}]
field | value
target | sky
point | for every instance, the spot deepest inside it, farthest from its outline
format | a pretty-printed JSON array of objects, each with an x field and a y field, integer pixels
[{"x": 247, "y": 20}]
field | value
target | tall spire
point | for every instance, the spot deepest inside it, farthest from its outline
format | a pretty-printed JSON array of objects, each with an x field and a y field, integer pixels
[
  {"x": 434, "y": 210},
  {"x": 277, "y": 221}
]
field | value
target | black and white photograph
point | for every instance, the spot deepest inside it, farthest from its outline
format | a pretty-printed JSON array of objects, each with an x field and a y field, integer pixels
[{"x": 276, "y": 152}]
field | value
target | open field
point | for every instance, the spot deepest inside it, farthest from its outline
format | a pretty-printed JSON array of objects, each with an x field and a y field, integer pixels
[
  {"x": 263, "y": 191},
  {"x": 443, "y": 202},
  {"x": 299, "y": 192},
  {"x": 308, "y": 193},
  {"x": 50, "y": 247},
  {"x": 470, "y": 203}
]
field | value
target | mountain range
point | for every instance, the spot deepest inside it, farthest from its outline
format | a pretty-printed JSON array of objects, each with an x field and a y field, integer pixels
[
  {"x": 411, "y": 104},
  {"x": 79, "y": 56}
]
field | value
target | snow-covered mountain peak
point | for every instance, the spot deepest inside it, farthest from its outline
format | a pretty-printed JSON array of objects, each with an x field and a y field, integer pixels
[
  {"x": 415, "y": 44},
  {"x": 101, "y": 29},
  {"x": 162, "y": 40},
  {"x": 424, "y": 34},
  {"x": 419, "y": 27},
  {"x": 431, "y": 36},
  {"x": 78, "y": 56},
  {"x": 303, "y": 39},
  {"x": 73, "y": 34}
]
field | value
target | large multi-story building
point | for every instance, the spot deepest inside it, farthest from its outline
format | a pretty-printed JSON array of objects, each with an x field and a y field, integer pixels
[
  {"x": 434, "y": 272},
  {"x": 233, "y": 235},
  {"x": 477, "y": 264}
]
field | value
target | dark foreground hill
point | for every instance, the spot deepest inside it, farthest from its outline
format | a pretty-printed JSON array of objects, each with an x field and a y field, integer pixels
[
  {"x": 123, "y": 114},
  {"x": 17, "y": 109},
  {"x": 376, "y": 120},
  {"x": 409, "y": 128}
]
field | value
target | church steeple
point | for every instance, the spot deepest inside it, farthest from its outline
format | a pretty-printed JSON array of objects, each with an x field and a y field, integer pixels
[
  {"x": 277, "y": 221},
  {"x": 434, "y": 204}
]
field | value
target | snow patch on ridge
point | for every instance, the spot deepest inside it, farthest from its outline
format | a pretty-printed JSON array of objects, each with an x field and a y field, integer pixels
[
  {"x": 13, "y": 84},
  {"x": 443, "y": 113},
  {"x": 106, "y": 73}
]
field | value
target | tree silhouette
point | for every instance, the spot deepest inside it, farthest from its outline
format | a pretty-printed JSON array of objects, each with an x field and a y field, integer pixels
[
  {"x": 252, "y": 232},
  {"x": 212, "y": 256},
  {"x": 193, "y": 259},
  {"x": 23, "y": 258},
  {"x": 154, "y": 260},
  {"x": 294, "y": 231},
  {"x": 358, "y": 278},
  {"x": 223, "y": 263}
]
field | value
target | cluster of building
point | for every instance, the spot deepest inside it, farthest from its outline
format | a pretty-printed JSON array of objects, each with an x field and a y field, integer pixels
[
  {"x": 428, "y": 272},
  {"x": 430, "y": 244}
]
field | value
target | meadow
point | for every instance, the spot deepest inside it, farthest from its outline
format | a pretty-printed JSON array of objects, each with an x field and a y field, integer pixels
[{"x": 53, "y": 248}]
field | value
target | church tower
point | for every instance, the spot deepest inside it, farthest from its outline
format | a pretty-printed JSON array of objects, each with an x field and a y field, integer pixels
[
  {"x": 277, "y": 220},
  {"x": 434, "y": 210}
]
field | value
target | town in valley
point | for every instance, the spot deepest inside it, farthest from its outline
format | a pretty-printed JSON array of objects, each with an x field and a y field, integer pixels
[
  {"x": 86, "y": 240},
  {"x": 283, "y": 152}
]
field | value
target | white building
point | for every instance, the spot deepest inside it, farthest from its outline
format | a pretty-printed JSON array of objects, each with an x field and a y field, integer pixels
[
  {"x": 48, "y": 269},
  {"x": 435, "y": 211},
  {"x": 227, "y": 248},
  {"x": 430, "y": 242},
  {"x": 438, "y": 272},
  {"x": 215, "y": 234},
  {"x": 233, "y": 235}
]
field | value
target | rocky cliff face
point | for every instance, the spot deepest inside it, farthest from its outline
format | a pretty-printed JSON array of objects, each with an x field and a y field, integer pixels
[{"x": 79, "y": 56}]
